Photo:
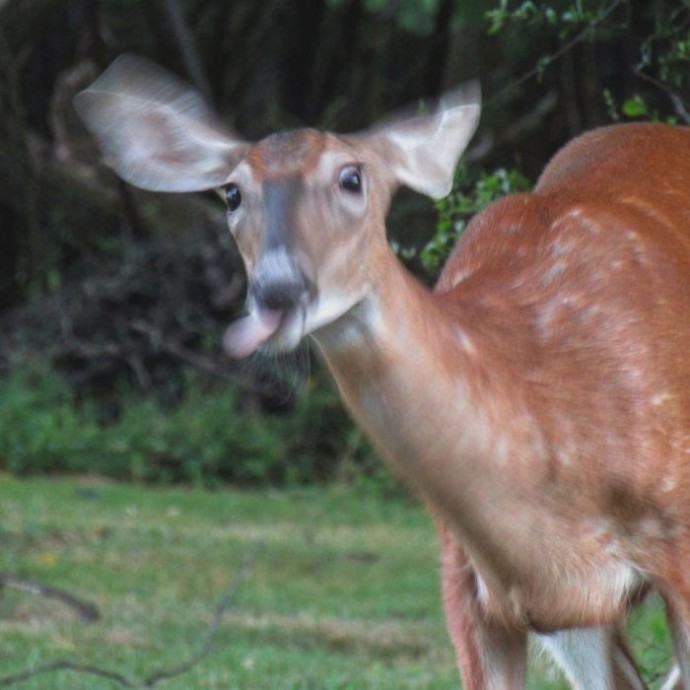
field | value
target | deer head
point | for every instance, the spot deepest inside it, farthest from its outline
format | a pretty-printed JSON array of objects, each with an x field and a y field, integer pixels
[{"x": 303, "y": 205}]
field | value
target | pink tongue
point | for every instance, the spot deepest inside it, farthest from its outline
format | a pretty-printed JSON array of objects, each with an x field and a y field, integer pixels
[{"x": 244, "y": 336}]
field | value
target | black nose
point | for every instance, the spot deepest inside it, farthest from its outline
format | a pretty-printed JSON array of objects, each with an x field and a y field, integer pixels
[
  {"x": 278, "y": 295},
  {"x": 277, "y": 283}
]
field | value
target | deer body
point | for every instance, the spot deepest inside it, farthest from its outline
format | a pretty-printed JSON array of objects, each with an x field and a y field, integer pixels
[
  {"x": 538, "y": 399},
  {"x": 496, "y": 484},
  {"x": 538, "y": 294}
]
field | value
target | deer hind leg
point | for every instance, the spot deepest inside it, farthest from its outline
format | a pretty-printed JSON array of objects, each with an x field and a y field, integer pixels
[
  {"x": 678, "y": 614},
  {"x": 490, "y": 655},
  {"x": 594, "y": 658},
  {"x": 673, "y": 680}
]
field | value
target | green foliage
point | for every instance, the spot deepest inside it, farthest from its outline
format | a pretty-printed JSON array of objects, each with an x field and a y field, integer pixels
[
  {"x": 344, "y": 593},
  {"x": 207, "y": 438},
  {"x": 564, "y": 15},
  {"x": 666, "y": 50},
  {"x": 634, "y": 107},
  {"x": 568, "y": 21},
  {"x": 651, "y": 641},
  {"x": 471, "y": 193},
  {"x": 41, "y": 429},
  {"x": 662, "y": 45}
]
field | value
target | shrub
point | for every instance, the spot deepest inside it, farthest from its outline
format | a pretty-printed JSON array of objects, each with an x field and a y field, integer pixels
[
  {"x": 205, "y": 438},
  {"x": 471, "y": 193},
  {"x": 40, "y": 429}
]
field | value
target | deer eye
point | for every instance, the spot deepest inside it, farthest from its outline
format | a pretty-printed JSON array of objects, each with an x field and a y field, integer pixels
[
  {"x": 351, "y": 179},
  {"x": 233, "y": 197}
]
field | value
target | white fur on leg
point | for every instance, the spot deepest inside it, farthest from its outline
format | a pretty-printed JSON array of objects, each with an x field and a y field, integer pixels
[
  {"x": 673, "y": 680},
  {"x": 677, "y": 616},
  {"x": 584, "y": 655}
]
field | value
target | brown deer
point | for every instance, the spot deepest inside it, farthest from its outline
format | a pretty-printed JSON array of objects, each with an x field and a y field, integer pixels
[{"x": 538, "y": 399}]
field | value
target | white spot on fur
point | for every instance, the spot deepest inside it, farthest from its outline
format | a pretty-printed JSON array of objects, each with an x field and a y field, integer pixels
[
  {"x": 465, "y": 342},
  {"x": 660, "y": 398},
  {"x": 483, "y": 595},
  {"x": 556, "y": 269},
  {"x": 669, "y": 483}
]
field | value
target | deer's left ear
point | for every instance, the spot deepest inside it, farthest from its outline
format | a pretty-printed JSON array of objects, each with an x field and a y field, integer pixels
[
  {"x": 422, "y": 151},
  {"x": 156, "y": 131}
]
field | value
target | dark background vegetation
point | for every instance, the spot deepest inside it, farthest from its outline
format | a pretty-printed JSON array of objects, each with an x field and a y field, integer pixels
[{"x": 113, "y": 301}]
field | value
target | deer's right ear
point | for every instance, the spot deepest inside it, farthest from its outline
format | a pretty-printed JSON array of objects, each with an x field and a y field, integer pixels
[
  {"x": 155, "y": 131},
  {"x": 422, "y": 150}
]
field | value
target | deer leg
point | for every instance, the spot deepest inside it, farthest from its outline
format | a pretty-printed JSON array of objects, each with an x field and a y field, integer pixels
[
  {"x": 678, "y": 614},
  {"x": 594, "y": 658},
  {"x": 490, "y": 655},
  {"x": 673, "y": 681}
]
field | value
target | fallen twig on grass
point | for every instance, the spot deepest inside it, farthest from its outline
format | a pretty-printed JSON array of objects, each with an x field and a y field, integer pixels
[
  {"x": 52, "y": 667},
  {"x": 221, "y": 607},
  {"x": 85, "y": 609},
  {"x": 219, "y": 610}
]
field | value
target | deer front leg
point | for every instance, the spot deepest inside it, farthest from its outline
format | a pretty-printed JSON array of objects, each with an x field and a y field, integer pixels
[
  {"x": 490, "y": 656},
  {"x": 594, "y": 658}
]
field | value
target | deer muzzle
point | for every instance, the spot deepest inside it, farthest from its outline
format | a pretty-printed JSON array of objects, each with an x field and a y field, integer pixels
[{"x": 277, "y": 299}]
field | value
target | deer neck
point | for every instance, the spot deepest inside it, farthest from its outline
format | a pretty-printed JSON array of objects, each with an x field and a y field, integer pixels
[{"x": 410, "y": 371}]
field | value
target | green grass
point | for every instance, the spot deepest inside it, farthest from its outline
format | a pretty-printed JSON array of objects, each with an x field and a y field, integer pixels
[{"x": 343, "y": 594}]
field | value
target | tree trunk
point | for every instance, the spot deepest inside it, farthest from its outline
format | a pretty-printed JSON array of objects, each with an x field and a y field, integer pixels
[{"x": 440, "y": 47}]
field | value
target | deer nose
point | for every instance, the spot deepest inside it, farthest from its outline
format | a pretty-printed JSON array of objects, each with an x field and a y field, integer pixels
[
  {"x": 278, "y": 296},
  {"x": 278, "y": 284}
]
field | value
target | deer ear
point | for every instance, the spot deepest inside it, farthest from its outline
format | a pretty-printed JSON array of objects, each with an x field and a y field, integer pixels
[
  {"x": 422, "y": 151},
  {"x": 155, "y": 131}
]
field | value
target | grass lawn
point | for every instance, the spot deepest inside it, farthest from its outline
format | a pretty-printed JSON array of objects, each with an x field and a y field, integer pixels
[{"x": 342, "y": 594}]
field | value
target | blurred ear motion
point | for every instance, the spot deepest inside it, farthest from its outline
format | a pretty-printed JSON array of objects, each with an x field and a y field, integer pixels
[
  {"x": 423, "y": 150},
  {"x": 155, "y": 131}
]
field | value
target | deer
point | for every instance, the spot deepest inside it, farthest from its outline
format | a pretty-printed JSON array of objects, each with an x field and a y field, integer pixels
[{"x": 537, "y": 398}]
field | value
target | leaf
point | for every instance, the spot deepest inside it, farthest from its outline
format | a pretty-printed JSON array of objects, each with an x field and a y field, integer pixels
[
  {"x": 47, "y": 559},
  {"x": 634, "y": 107}
]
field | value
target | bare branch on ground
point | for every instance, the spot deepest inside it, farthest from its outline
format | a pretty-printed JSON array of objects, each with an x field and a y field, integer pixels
[
  {"x": 205, "y": 648},
  {"x": 85, "y": 610}
]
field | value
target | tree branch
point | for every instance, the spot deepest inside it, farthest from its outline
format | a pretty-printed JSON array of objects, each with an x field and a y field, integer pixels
[
  {"x": 184, "y": 39},
  {"x": 219, "y": 610},
  {"x": 153, "y": 679},
  {"x": 85, "y": 609},
  {"x": 676, "y": 100},
  {"x": 55, "y": 666},
  {"x": 565, "y": 48}
]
